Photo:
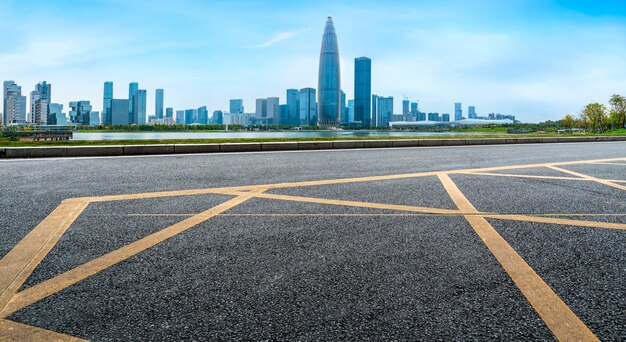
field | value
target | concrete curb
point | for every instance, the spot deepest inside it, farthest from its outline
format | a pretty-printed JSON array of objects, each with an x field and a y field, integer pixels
[{"x": 127, "y": 150}]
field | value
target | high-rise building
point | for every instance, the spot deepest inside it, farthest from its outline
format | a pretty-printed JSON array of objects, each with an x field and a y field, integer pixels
[
  {"x": 471, "y": 112},
  {"x": 139, "y": 107},
  {"x": 94, "y": 119},
  {"x": 14, "y": 109},
  {"x": 329, "y": 78},
  {"x": 308, "y": 107},
  {"x": 119, "y": 112},
  {"x": 433, "y": 117},
  {"x": 158, "y": 103},
  {"x": 191, "y": 116},
  {"x": 421, "y": 116},
  {"x": 445, "y": 117},
  {"x": 375, "y": 122},
  {"x": 283, "y": 114},
  {"x": 169, "y": 112},
  {"x": 458, "y": 111},
  {"x": 56, "y": 116},
  {"x": 41, "y": 110},
  {"x": 218, "y": 117},
  {"x": 293, "y": 102},
  {"x": 273, "y": 109},
  {"x": 414, "y": 109},
  {"x": 180, "y": 117},
  {"x": 203, "y": 116},
  {"x": 384, "y": 110},
  {"x": 406, "y": 110},
  {"x": 350, "y": 110},
  {"x": 236, "y": 106},
  {"x": 343, "y": 117},
  {"x": 132, "y": 90},
  {"x": 363, "y": 91},
  {"x": 106, "y": 105},
  {"x": 80, "y": 112},
  {"x": 43, "y": 91},
  {"x": 261, "y": 108}
]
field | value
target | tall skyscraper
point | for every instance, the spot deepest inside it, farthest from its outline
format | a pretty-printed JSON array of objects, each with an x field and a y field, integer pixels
[
  {"x": 293, "y": 104},
  {"x": 14, "y": 111},
  {"x": 236, "y": 106},
  {"x": 57, "y": 117},
  {"x": 385, "y": 110},
  {"x": 180, "y": 117},
  {"x": 39, "y": 111},
  {"x": 308, "y": 107},
  {"x": 471, "y": 112},
  {"x": 169, "y": 112},
  {"x": 261, "y": 108},
  {"x": 284, "y": 114},
  {"x": 107, "y": 103},
  {"x": 158, "y": 104},
  {"x": 375, "y": 118},
  {"x": 132, "y": 90},
  {"x": 458, "y": 111},
  {"x": 343, "y": 113},
  {"x": 414, "y": 109},
  {"x": 406, "y": 110},
  {"x": 191, "y": 116},
  {"x": 363, "y": 91},
  {"x": 139, "y": 107},
  {"x": 350, "y": 110},
  {"x": 329, "y": 78},
  {"x": 273, "y": 110},
  {"x": 218, "y": 117},
  {"x": 119, "y": 112},
  {"x": 203, "y": 116}
]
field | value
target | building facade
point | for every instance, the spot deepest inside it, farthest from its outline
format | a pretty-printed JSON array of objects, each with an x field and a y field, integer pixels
[
  {"x": 363, "y": 91},
  {"x": 158, "y": 103},
  {"x": 384, "y": 110},
  {"x": 458, "y": 111},
  {"x": 329, "y": 78},
  {"x": 293, "y": 102},
  {"x": 119, "y": 112},
  {"x": 107, "y": 100},
  {"x": 308, "y": 107},
  {"x": 236, "y": 106},
  {"x": 139, "y": 107},
  {"x": 273, "y": 110}
]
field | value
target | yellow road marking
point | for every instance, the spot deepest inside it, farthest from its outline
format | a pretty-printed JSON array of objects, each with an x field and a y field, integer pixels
[
  {"x": 13, "y": 331},
  {"x": 616, "y": 164},
  {"x": 69, "y": 278},
  {"x": 17, "y": 265},
  {"x": 522, "y": 176},
  {"x": 559, "y": 318},
  {"x": 229, "y": 190},
  {"x": 550, "y": 220},
  {"x": 594, "y": 179}
]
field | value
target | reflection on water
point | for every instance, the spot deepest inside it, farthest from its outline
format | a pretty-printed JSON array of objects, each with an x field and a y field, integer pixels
[{"x": 251, "y": 135}]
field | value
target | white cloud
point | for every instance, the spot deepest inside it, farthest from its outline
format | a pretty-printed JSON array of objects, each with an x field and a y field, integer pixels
[{"x": 277, "y": 38}]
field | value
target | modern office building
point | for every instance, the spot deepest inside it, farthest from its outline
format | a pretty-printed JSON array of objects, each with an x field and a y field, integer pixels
[
  {"x": 203, "y": 116},
  {"x": 445, "y": 117},
  {"x": 458, "y": 111},
  {"x": 283, "y": 111},
  {"x": 273, "y": 110},
  {"x": 308, "y": 107},
  {"x": 191, "y": 116},
  {"x": 158, "y": 103},
  {"x": 343, "y": 117},
  {"x": 14, "y": 108},
  {"x": 169, "y": 112},
  {"x": 56, "y": 115},
  {"x": 375, "y": 122},
  {"x": 293, "y": 102},
  {"x": 433, "y": 117},
  {"x": 120, "y": 116},
  {"x": 414, "y": 110},
  {"x": 471, "y": 112},
  {"x": 107, "y": 103},
  {"x": 236, "y": 106},
  {"x": 94, "y": 119},
  {"x": 329, "y": 78},
  {"x": 80, "y": 112},
  {"x": 261, "y": 108},
  {"x": 363, "y": 91},
  {"x": 180, "y": 117},
  {"x": 40, "y": 113},
  {"x": 406, "y": 109},
  {"x": 350, "y": 111},
  {"x": 384, "y": 110},
  {"x": 218, "y": 117},
  {"x": 421, "y": 116},
  {"x": 132, "y": 90},
  {"x": 139, "y": 107}
]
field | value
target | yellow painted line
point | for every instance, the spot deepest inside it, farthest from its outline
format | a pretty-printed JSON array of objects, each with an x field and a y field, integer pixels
[
  {"x": 361, "y": 204},
  {"x": 69, "y": 278},
  {"x": 18, "y": 264},
  {"x": 594, "y": 179},
  {"x": 516, "y": 216},
  {"x": 566, "y": 222},
  {"x": 228, "y": 190},
  {"x": 559, "y": 318},
  {"x": 616, "y": 164},
  {"x": 13, "y": 331},
  {"x": 522, "y": 176}
]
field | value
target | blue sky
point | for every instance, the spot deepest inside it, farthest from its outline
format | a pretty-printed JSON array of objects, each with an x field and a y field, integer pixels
[{"x": 536, "y": 59}]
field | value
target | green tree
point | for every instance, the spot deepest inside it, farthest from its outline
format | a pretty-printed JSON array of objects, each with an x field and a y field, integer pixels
[
  {"x": 618, "y": 110},
  {"x": 568, "y": 121},
  {"x": 596, "y": 115}
]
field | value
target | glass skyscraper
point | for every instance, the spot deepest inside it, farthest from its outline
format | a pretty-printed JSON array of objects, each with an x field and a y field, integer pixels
[
  {"x": 363, "y": 91},
  {"x": 308, "y": 107},
  {"x": 132, "y": 89},
  {"x": 107, "y": 103},
  {"x": 158, "y": 104},
  {"x": 236, "y": 106},
  {"x": 139, "y": 107},
  {"x": 329, "y": 80},
  {"x": 458, "y": 111},
  {"x": 293, "y": 103}
]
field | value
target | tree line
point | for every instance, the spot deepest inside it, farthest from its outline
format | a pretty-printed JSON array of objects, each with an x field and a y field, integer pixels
[{"x": 597, "y": 117}]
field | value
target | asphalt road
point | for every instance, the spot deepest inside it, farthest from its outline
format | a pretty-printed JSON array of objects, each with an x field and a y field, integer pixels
[{"x": 270, "y": 269}]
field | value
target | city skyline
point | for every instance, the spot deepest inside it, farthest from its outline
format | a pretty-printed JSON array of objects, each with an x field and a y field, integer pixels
[{"x": 439, "y": 54}]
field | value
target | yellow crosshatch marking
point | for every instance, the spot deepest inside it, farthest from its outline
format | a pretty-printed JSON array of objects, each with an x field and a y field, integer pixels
[{"x": 18, "y": 264}]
